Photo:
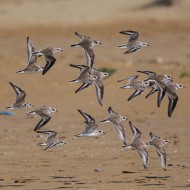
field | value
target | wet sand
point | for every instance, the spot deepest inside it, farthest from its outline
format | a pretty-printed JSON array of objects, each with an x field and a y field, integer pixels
[{"x": 93, "y": 163}]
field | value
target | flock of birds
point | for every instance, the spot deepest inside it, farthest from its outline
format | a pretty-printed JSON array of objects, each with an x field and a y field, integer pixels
[{"x": 88, "y": 75}]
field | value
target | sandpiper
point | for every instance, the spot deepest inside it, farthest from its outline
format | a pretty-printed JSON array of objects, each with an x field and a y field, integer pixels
[
  {"x": 20, "y": 97},
  {"x": 32, "y": 66},
  {"x": 91, "y": 126},
  {"x": 48, "y": 55},
  {"x": 159, "y": 144},
  {"x": 159, "y": 81},
  {"x": 44, "y": 112},
  {"x": 98, "y": 76},
  {"x": 90, "y": 76},
  {"x": 172, "y": 96},
  {"x": 84, "y": 77},
  {"x": 50, "y": 140},
  {"x": 133, "y": 44},
  {"x": 138, "y": 144},
  {"x": 154, "y": 77},
  {"x": 135, "y": 84},
  {"x": 116, "y": 120},
  {"x": 87, "y": 44}
]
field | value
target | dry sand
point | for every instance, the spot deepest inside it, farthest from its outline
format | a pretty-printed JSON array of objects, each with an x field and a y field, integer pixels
[{"x": 93, "y": 163}]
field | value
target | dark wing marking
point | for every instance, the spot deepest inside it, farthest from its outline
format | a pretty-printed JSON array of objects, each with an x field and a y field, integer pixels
[
  {"x": 135, "y": 131},
  {"x": 80, "y": 35},
  {"x": 81, "y": 67},
  {"x": 153, "y": 90},
  {"x": 32, "y": 59},
  {"x": 87, "y": 117},
  {"x": 132, "y": 50},
  {"x": 51, "y": 145},
  {"x": 161, "y": 92},
  {"x": 110, "y": 111},
  {"x": 135, "y": 94},
  {"x": 50, "y": 60},
  {"x": 163, "y": 159},
  {"x": 44, "y": 119},
  {"x": 144, "y": 156},
  {"x": 99, "y": 90},
  {"x": 19, "y": 92},
  {"x": 121, "y": 132},
  {"x": 89, "y": 53},
  {"x": 173, "y": 99},
  {"x": 83, "y": 86}
]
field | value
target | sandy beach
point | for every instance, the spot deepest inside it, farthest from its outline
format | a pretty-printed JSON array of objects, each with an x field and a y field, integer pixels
[{"x": 93, "y": 163}]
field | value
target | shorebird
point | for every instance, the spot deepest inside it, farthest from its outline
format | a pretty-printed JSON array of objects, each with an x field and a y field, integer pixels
[
  {"x": 20, "y": 97},
  {"x": 32, "y": 66},
  {"x": 87, "y": 44},
  {"x": 159, "y": 144},
  {"x": 133, "y": 44},
  {"x": 116, "y": 121},
  {"x": 98, "y": 75},
  {"x": 135, "y": 84},
  {"x": 171, "y": 89},
  {"x": 84, "y": 77},
  {"x": 153, "y": 76},
  {"x": 90, "y": 76},
  {"x": 158, "y": 83},
  {"x": 91, "y": 126},
  {"x": 138, "y": 144},
  {"x": 153, "y": 90},
  {"x": 44, "y": 112},
  {"x": 50, "y": 140},
  {"x": 48, "y": 55}
]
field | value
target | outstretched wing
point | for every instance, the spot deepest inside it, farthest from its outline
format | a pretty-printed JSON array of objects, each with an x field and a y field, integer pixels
[
  {"x": 133, "y": 35},
  {"x": 135, "y": 131},
  {"x": 87, "y": 117},
  {"x": 19, "y": 92},
  {"x": 173, "y": 99},
  {"x": 99, "y": 90},
  {"x": 51, "y": 134},
  {"x": 83, "y": 86},
  {"x": 42, "y": 122},
  {"x": 144, "y": 156},
  {"x": 162, "y": 155},
  {"x": 135, "y": 94},
  {"x": 50, "y": 60},
  {"x": 32, "y": 59}
]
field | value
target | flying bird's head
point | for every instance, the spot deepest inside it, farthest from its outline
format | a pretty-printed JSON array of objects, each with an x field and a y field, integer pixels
[
  {"x": 144, "y": 44},
  {"x": 29, "y": 105},
  {"x": 53, "y": 110},
  {"x": 58, "y": 49}
]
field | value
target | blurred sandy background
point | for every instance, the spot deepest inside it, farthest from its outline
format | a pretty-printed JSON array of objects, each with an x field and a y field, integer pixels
[{"x": 93, "y": 163}]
